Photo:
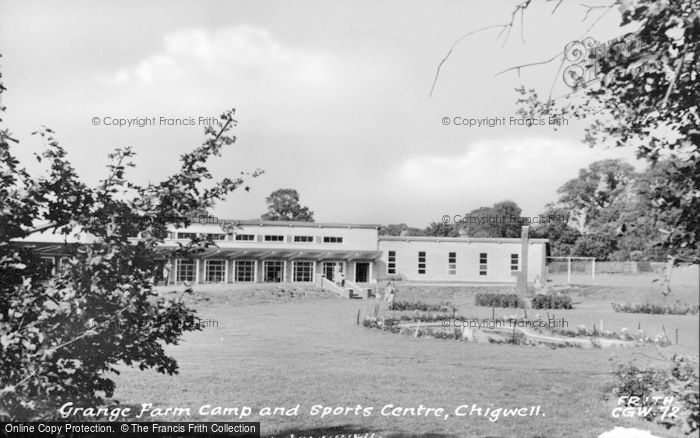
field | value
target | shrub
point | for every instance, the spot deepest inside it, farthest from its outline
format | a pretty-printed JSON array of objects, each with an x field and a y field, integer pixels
[
  {"x": 423, "y": 307},
  {"x": 680, "y": 383},
  {"x": 552, "y": 302},
  {"x": 655, "y": 309},
  {"x": 498, "y": 300}
]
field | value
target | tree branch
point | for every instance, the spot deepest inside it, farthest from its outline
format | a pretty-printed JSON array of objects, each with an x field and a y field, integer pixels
[
  {"x": 518, "y": 67},
  {"x": 506, "y": 27}
]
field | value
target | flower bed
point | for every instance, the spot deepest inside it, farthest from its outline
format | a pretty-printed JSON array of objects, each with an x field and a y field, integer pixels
[
  {"x": 624, "y": 334},
  {"x": 424, "y": 307},
  {"x": 507, "y": 330},
  {"x": 656, "y": 309}
]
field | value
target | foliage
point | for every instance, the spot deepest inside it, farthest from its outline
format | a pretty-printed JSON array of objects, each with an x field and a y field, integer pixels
[
  {"x": 561, "y": 235},
  {"x": 680, "y": 382},
  {"x": 646, "y": 96},
  {"x": 487, "y": 299},
  {"x": 552, "y": 302},
  {"x": 283, "y": 205},
  {"x": 441, "y": 229},
  {"x": 62, "y": 335},
  {"x": 400, "y": 230},
  {"x": 500, "y": 220},
  {"x": 423, "y": 307},
  {"x": 655, "y": 309}
]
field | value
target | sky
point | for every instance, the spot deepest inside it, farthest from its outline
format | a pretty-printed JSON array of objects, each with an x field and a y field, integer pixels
[{"x": 331, "y": 97}]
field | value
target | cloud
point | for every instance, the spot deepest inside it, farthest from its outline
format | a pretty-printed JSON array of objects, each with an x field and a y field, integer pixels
[
  {"x": 527, "y": 170},
  {"x": 244, "y": 61}
]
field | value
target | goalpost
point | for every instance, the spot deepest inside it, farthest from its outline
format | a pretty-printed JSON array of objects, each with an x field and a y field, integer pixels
[{"x": 568, "y": 260}]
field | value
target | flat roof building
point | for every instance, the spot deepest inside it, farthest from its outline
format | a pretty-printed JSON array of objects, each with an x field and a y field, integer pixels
[{"x": 307, "y": 252}]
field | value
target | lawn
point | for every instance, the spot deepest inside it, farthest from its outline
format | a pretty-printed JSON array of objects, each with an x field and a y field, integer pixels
[{"x": 283, "y": 346}]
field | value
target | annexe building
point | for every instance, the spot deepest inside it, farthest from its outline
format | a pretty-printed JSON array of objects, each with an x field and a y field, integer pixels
[{"x": 254, "y": 251}]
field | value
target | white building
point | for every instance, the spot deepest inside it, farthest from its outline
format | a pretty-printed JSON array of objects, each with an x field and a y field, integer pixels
[{"x": 305, "y": 252}]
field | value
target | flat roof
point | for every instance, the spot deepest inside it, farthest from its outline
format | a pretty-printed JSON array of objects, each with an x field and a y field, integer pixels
[
  {"x": 459, "y": 239},
  {"x": 296, "y": 224}
]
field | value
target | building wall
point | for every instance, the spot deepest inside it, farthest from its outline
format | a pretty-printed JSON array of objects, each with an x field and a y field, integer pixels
[
  {"x": 353, "y": 238},
  {"x": 467, "y": 264}
]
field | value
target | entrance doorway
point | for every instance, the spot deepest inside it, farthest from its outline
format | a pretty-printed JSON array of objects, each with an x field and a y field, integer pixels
[
  {"x": 329, "y": 268},
  {"x": 361, "y": 272},
  {"x": 273, "y": 271}
]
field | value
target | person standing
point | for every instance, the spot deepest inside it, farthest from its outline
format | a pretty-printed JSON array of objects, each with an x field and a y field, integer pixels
[
  {"x": 336, "y": 273},
  {"x": 167, "y": 267},
  {"x": 390, "y": 298}
]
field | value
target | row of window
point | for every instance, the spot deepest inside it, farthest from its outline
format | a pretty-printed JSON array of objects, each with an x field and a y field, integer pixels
[
  {"x": 243, "y": 271},
  {"x": 265, "y": 237},
  {"x": 451, "y": 263}
]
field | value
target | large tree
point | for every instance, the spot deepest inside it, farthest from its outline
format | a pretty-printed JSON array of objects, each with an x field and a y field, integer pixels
[
  {"x": 283, "y": 205},
  {"x": 644, "y": 95},
  {"x": 502, "y": 219},
  {"x": 62, "y": 335}
]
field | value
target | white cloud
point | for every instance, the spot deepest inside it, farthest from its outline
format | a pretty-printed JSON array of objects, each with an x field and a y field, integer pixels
[
  {"x": 527, "y": 170},
  {"x": 237, "y": 59}
]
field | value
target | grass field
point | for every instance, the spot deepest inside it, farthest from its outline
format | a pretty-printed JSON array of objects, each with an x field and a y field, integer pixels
[{"x": 283, "y": 346}]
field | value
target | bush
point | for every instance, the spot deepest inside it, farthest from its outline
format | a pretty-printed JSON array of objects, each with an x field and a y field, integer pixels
[
  {"x": 680, "y": 384},
  {"x": 655, "y": 309},
  {"x": 423, "y": 307},
  {"x": 552, "y": 302},
  {"x": 498, "y": 300}
]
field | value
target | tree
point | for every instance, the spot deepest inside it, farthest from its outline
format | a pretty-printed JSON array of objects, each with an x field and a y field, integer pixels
[
  {"x": 441, "y": 229},
  {"x": 590, "y": 196},
  {"x": 561, "y": 235},
  {"x": 62, "y": 335},
  {"x": 644, "y": 95},
  {"x": 283, "y": 205},
  {"x": 500, "y": 220},
  {"x": 400, "y": 230}
]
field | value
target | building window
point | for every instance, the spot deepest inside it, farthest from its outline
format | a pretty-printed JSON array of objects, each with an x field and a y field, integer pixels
[
  {"x": 214, "y": 271},
  {"x": 391, "y": 267},
  {"x": 185, "y": 270},
  {"x": 332, "y": 239},
  {"x": 217, "y": 236},
  {"x": 273, "y": 238},
  {"x": 303, "y": 238},
  {"x": 246, "y": 237},
  {"x": 514, "y": 263},
  {"x": 421, "y": 262},
  {"x": 273, "y": 271},
  {"x": 483, "y": 263},
  {"x": 245, "y": 270},
  {"x": 186, "y": 235},
  {"x": 303, "y": 271},
  {"x": 452, "y": 263}
]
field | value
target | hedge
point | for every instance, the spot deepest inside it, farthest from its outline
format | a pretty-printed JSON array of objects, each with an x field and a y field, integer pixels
[
  {"x": 655, "y": 309},
  {"x": 419, "y": 305},
  {"x": 498, "y": 300},
  {"x": 552, "y": 302}
]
